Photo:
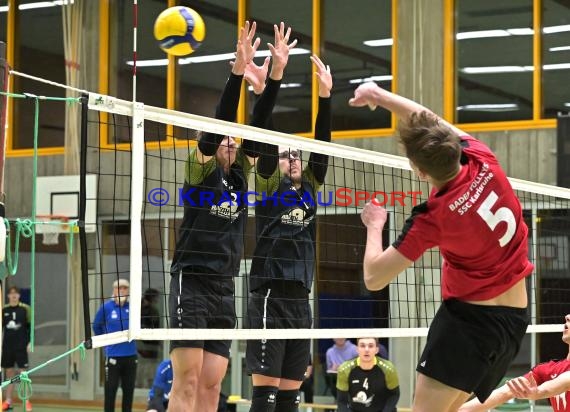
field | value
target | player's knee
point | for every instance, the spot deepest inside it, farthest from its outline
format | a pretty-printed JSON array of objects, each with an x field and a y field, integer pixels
[
  {"x": 263, "y": 399},
  {"x": 210, "y": 387},
  {"x": 187, "y": 382},
  {"x": 288, "y": 401}
]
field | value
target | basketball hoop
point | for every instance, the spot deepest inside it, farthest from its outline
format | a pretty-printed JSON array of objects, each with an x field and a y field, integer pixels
[{"x": 50, "y": 226}]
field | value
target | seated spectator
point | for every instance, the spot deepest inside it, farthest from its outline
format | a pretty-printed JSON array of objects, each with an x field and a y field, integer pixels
[
  {"x": 368, "y": 382},
  {"x": 340, "y": 352},
  {"x": 160, "y": 391}
]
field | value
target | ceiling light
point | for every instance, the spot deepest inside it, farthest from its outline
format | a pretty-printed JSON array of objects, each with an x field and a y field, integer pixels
[
  {"x": 561, "y": 48},
  {"x": 229, "y": 56},
  {"x": 386, "y": 78},
  {"x": 149, "y": 63},
  {"x": 283, "y": 86},
  {"x": 525, "y": 31},
  {"x": 482, "y": 34},
  {"x": 496, "y": 69},
  {"x": 567, "y": 104},
  {"x": 379, "y": 42},
  {"x": 558, "y": 66},
  {"x": 38, "y": 5},
  {"x": 207, "y": 58},
  {"x": 556, "y": 29},
  {"x": 499, "y": 107}
]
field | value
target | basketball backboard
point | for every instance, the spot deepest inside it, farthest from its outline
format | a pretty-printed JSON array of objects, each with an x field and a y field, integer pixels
[{"x": 59, "y": 196}]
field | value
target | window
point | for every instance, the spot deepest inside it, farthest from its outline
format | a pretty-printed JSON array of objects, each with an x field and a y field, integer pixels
[
  {"x": 357, "y": 53},
  {"x": 39, "y": 52},
  {"x": 151, "y": 80},
  {"x": 494, "y": 60},
  {"x": 292, "y": 113},
  {"x": 555, "y": 57},
  {"x": 200, "y": 84}
]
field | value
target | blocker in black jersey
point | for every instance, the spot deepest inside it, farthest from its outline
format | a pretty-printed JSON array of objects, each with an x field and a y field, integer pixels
[
  {"x": 283, "y": 264},
  {"x": 210, "y": 242}
]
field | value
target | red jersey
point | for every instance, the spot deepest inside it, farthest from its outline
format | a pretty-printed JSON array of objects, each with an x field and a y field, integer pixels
[
  {"x": 548, "y": 371},
  {"x": 476, "y": 220}
]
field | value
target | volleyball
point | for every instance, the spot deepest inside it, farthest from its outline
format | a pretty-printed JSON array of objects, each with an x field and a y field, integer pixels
[{"x": 179, "y": 30}]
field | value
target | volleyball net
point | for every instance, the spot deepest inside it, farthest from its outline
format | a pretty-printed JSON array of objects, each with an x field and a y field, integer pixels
[
  {"x": 131, "y": 201},
  {"x": 140, "y": 201}
]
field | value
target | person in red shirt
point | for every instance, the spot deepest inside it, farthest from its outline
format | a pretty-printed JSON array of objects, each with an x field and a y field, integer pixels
[
  {"x": 547, "y": 380},
  {"x": 475, "y": 218}
]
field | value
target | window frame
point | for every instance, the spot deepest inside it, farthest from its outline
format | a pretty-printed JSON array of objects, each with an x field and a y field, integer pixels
[
  {"x": 450, "y": 77},
  {"x": 242, "y": 12},
  {"x": 104, "y": 76}
]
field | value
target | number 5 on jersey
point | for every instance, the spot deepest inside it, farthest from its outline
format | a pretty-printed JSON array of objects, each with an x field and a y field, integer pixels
[{"x": 503, "y": 214}]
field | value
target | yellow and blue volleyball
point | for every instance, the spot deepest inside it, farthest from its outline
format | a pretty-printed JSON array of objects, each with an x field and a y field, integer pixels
[{"x": 179, "y": 30}]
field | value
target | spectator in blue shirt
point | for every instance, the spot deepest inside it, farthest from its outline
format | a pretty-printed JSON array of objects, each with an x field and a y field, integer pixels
[
  {"x": 160, "y": 391},
  {"x": 120, "y": 359}
]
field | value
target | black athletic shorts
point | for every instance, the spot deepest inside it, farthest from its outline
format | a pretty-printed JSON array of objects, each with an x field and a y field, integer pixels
[
  {"x": 281, "y": 305},
  {"x": 469, "y": 347},
  {"x": 15, "y": 358},
  {"x": 205, "y": 301}
]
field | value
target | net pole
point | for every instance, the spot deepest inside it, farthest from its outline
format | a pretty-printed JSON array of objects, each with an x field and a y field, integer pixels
[
  {"x": 82, "y": 234},
  {"x": 533, "y": 283},
  {"x": 3, "y": 125},
  {"x": 136, "y": 193},
  {"x": 137, "y": 188}
]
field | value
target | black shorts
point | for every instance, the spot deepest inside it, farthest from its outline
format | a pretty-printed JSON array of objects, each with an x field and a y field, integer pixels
[
  {"x": 15, "y": 358},
  {"x": 285, "y": 308},
  {"x": 202, "y": 302},
  {"x": 470, "y": 347}
]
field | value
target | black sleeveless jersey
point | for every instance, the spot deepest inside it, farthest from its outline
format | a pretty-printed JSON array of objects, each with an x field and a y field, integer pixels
[
  {"x": 210, "y": 238},
  {"x": 286, "y": 229}
]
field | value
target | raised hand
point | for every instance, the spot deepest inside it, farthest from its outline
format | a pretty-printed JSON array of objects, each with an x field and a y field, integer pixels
[
  {"x": 323, "y": 75},
  {"x": 366, "y": 94},
  {"x": 256, "y": 75},
  {"x": 245, "y": 48},
  {"x": 374, "y": 216},
  {"x": 280, "y": 50}
]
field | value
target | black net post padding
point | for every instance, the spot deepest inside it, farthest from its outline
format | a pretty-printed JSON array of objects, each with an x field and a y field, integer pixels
[
  {"x": 563, "y": 149},
  {"x": 3, "y": 113},
  {"x": 82, "y": 234}
]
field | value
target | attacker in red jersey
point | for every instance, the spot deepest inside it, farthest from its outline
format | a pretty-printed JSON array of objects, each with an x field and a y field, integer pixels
[
  {"x": 475, "y": 218},
  {"x": 547, "y": 380}
]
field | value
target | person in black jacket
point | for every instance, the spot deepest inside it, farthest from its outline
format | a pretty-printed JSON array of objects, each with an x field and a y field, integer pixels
[
  {"x": 16, "y": 341},
  {"x": 210, "y": 242},
  {"x": 283, "y": 263}
]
